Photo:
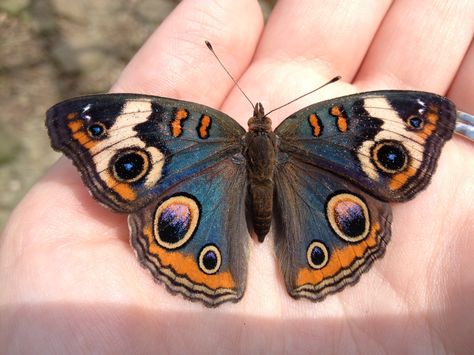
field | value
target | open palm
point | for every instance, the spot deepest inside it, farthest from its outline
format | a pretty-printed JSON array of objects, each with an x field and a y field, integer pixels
[{"x": 70, "y": 281}]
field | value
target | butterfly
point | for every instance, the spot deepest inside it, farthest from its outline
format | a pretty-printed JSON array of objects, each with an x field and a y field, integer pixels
[{"x": 190, "y": 177}]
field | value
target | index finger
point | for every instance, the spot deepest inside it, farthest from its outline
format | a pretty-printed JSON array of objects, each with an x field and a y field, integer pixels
[{"x": 174, "y": 62}]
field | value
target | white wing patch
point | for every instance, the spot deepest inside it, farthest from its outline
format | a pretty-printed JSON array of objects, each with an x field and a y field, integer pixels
[
  {"x": 393, "y": 128},
  {"x": 122, "y": 135}
]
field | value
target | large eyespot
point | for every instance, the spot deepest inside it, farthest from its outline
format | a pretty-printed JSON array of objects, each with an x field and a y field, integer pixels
[
  {"x": 131, "y": 165},
  {"x": 348, "y": 216},
  {"x": 175, "y": 221},
  {"x": 390, "y": 156},
  {"x": 96, "y": 130},
  {"x": 317, "y": 255},
  {"x": 210, "y": 259}
]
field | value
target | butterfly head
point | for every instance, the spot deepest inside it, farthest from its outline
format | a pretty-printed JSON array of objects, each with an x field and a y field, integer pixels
[{"x": 259, "y": 122}]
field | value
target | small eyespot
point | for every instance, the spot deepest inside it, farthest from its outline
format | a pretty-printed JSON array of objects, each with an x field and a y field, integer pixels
[
  {"x": 348, "y": 216},
  {"x": 96, "y": 130},
  {"x": 390, "y": 156},
  {"x": 415, "y": 122},
  {"x": 317, "y": 255},
  {"x": 175, "y": 221},
  {"x": 130, "y": 166},
  {"x": 210, "y": 259}
]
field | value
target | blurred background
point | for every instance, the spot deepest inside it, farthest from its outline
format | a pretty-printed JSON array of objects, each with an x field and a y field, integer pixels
[{"x": 54, "y": 49}]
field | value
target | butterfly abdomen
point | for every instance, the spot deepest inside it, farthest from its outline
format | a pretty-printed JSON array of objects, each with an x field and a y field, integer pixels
[{"x": 261, "y": 157}]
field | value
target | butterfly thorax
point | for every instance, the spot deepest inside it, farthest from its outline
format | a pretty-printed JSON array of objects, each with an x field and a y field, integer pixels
[
  {"x": 260, "y": 152},
  {"x": 259, "y": 122}
]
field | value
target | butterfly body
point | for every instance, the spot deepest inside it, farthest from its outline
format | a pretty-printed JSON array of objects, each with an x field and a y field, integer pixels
[
  {"x": 260, "y": 152},
  {"x": 189, "y": 175}
]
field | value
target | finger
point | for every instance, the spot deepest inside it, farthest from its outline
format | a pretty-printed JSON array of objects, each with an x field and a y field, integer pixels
[
  {"x": 419, "y": 45},
  {"x": 334, "y": 33},
  {"x": 327, "y": 38},
  {"x": 175, "y": 62},
  {"x": 462, "y": 89}
]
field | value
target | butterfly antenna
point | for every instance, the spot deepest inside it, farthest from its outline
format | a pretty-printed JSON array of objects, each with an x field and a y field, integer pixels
[
  {"x": 333, "y": 80},
  {"x": 209, "y": 45}
]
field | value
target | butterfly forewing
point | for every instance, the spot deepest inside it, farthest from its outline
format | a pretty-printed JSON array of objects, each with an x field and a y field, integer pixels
[
  {"x": 130, "y": 148},
  {"x": 386, "y": 142}
]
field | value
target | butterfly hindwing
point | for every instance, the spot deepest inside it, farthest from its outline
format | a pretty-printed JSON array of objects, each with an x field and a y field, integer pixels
[
  {"x": 194, "y": 237},
  {"x": 130, "y": 148},
  {"x": 387, "y": 142},
  {"x": 327, "y": 230}
]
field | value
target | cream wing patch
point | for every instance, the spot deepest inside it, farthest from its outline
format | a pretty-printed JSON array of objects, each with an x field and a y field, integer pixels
[
  {"x": 122, "y": 135},
  {"x": 393, "y": 129}
]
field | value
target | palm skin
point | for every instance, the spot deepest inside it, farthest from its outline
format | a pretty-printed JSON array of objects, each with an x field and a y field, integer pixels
[{"x": 71, "y": 283}]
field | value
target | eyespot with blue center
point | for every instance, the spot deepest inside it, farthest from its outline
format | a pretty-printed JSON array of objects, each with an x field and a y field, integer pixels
[
  {"x": 175, "y": 221},
  {"x": 317, "y": 254},
  {"x": 96, "y": 130},
  {"x": 130, "y": 165},
  {"x": 390, "y": 156},
  {"x": 415, "y": 122},
  {"x": 210, "y": 259},
  {"x": 348, "y": 216}
]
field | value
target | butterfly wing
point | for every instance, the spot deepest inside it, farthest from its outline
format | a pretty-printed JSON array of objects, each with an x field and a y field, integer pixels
[
  {"x": 338, "y": 160},
  {"x": 178, "y": 168},
  {"x": 130, "y": 148},
  {"x": 386, "y": 142},
  {"x": 327, "y": 232},
  {"x": 194, "y": 237}
]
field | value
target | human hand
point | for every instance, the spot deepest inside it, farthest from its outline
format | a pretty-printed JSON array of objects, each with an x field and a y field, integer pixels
[{"x": 71, "y": 283}]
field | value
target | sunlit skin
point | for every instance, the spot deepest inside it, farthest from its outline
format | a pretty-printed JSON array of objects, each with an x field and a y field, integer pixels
[{"x": 70, "y": 282}]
